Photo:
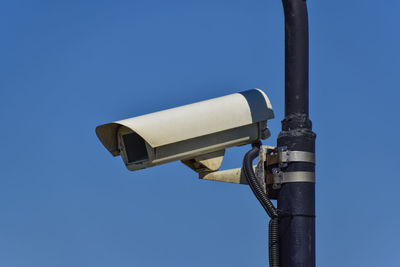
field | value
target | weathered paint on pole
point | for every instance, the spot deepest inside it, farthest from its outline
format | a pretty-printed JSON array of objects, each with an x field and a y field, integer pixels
[{"x": 296, "y": 200}]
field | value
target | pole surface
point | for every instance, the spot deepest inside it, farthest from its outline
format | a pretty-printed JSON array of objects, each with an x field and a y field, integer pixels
[{"x": 296, "y": 201}]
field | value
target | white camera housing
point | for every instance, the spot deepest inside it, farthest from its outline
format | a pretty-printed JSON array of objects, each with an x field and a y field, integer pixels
[{"x": 197, "y": 134}]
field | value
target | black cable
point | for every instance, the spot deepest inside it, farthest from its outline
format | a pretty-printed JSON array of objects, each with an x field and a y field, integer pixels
[
  {"x": 254, "y": 185},
  {"x": 273, "y": 244}
]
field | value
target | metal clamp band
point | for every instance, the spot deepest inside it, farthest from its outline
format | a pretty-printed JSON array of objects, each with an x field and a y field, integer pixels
[
  {"x": 290, "y": 177},
  {"x": 290, "y": 156}
]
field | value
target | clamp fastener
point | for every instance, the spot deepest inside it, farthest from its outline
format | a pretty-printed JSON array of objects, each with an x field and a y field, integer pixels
[
  {"x": 278, "y": 177},
  {"x": 286, "y": 156},
  {"x": 280, "y": 158}
]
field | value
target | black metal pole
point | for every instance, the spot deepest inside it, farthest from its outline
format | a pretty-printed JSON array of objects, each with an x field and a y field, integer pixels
[{"x": 296, "y": 200}]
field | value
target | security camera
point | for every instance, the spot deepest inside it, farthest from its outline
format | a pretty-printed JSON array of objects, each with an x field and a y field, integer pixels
[{"x": 197, "y": 134}]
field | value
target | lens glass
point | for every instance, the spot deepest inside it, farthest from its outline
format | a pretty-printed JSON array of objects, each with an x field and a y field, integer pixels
[{"x": 135, "y": 148}]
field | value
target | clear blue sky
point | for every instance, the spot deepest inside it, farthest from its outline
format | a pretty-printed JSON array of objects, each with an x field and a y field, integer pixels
[{"x": 68, "y": 66}]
